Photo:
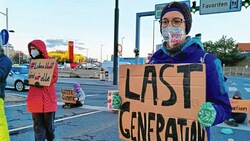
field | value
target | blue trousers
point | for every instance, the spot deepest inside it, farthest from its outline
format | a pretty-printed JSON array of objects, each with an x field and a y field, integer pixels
[{"x": 43, "y": 124}]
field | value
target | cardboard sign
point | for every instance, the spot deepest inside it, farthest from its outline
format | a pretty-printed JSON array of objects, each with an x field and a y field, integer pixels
[
  {"x": 161, "y": 102},
  {"x": 240, "y": 106},
  {"x": 41, "y": 70},
  {"x": 248, "y": 121},
  {"x": 68, "y": 96},
  {"x": 110, "y": 98}
]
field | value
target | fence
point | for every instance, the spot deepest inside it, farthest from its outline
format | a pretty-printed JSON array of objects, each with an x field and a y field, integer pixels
[{"x": 236, "y": 71}]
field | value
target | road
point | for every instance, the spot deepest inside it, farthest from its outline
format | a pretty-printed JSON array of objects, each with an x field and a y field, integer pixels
[{"x": 93, "y": 122}]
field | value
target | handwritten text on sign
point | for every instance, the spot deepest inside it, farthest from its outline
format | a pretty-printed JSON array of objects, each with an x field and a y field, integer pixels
[
  {"x": 161, "y": 102},
  {"x": 41, "y": 70},
  {"x": 68, "y": 96}
]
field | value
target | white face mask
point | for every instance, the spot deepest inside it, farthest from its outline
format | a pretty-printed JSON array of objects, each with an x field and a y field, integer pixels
[
  {"x": 34, "y": 53},
  {"x": 173, "y": 35}
]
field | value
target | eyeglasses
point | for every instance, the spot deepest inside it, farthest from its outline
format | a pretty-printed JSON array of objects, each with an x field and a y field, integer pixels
[
  {"x": 174, "y": 22},
  {"x": 32, "y": 48}
]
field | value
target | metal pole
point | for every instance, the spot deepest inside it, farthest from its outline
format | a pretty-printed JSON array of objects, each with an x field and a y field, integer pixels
[
  {"x": 101, "y": 53},
  {"x": 120, "y": 54},
  {"x": 116, "y": 31},
  {"x": 7, "y": 28},
  {"x": 19, "y": 58},
  {"x": 153, "y": 36},
  {"x": 137, "y": 33},
  {"x": 122, "y": 41},
  {"x": 7, "y": 20}
]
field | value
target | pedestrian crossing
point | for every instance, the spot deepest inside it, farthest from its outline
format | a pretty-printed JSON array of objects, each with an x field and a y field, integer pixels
[
  {"x": 233, "y": 89},
  {"x": 247, "y": 89}
]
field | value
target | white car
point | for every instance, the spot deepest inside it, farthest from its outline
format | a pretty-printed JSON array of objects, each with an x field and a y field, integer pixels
[
  {"x": 60, "y": 66},
  {"x": 16, "y": 78}
]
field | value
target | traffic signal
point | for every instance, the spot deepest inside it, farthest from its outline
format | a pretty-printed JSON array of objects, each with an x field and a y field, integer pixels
[
  {"x": 194, "y": 8},
  {"x": 246, "y": 3}
]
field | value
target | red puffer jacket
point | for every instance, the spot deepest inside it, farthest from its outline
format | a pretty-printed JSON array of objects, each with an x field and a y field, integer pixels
[{"x": 41, "y": 100}]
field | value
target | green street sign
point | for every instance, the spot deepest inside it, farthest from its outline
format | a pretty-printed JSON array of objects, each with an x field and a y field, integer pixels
[{"x": 159, "y": 8}]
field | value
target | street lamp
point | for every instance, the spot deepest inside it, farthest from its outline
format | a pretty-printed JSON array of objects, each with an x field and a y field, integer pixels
[
  {"x": 101, "y": 53},
  {"x": 83, "y": 48},
  {"x": 6, "y": 14},
  {"x": 120, "y": 50},
  {"x": 154, "y": 36},
  {"x": 122, "y": 41},
  {"x": 19, "y": 57},
  {"x": 7, "y": 28}
]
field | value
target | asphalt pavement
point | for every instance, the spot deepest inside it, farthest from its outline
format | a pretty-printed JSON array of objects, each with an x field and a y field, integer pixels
[{"x": 241, "y": 133}]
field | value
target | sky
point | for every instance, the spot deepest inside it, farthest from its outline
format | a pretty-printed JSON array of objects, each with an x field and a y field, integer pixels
[{"x": 90, "y": 24}]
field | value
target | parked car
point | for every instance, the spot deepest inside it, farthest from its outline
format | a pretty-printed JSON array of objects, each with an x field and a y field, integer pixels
[
  {"x": 60, "y": 66},
  {"x": 16, "y": 78},
  {"x": 25, "y": 65},
  {"x": 81, "y": 66},
  {"x": 73, "y": 65},
  {"x": 86, "y": 66}
]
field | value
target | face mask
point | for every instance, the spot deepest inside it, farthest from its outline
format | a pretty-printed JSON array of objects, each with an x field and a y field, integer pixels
[
  {"x": 173, "y": 35},
  {"x": 34, "y": 53}
]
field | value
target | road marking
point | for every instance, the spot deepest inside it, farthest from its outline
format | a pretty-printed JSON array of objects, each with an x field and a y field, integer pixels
[
  {"x": 244, "y": 127},
  {"x": 92, "y": 95},
  {"x": 247, "y": 89},
  {"x": 99, "y": 108},
  {"x": 234, "y": 84},
  {"x": 17, "y": 94},
  {"x": 15, "y": 105},
  {"x": 58, "y": 120},
  {"x": 232, "y": 89}
]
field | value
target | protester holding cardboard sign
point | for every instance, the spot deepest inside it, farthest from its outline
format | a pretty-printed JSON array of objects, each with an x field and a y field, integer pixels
[
  {"x": 236, "y": 118},
  {"x": 5, "y": 68},
  {"x": 42, "y": 100},
  {"x": 76, "y": 100},
  {"x": 175, "y": 24}
]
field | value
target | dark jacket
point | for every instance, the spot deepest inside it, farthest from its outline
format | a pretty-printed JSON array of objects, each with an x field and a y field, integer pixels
[
  {"x": 5, "y": 67},
  {"x": 216, "y": 90}
]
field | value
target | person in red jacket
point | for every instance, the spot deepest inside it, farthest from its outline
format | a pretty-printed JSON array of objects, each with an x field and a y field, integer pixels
[{"x": 42, "y": 100}]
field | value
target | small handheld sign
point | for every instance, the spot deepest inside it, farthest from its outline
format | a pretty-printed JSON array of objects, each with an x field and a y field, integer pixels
[
  {"x": 41, "y": 70},
  {"x": 68, "y": 96}
]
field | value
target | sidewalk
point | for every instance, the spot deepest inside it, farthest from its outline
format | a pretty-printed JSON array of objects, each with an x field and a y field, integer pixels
[
  {"x": 13, "y": 99},
  {"x": 85, "y": 81}
]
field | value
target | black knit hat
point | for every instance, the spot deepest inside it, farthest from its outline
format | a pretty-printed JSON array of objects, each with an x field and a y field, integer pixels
[{"x": 183, "y": 9}]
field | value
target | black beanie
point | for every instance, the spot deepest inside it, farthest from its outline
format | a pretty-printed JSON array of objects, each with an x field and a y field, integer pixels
[{"x": 182, "y": 8}]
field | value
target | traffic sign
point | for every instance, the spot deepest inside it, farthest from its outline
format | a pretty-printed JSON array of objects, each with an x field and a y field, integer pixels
[
  {"x": 219, "y": 6},
  {"x": 4, "y": 36},
  {"x": 159, "y": 8}
]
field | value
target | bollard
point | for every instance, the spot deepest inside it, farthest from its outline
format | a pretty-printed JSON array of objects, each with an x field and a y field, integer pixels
[
  {"x": 107, "y": 75},
  {"x": 102, "y": 75}
]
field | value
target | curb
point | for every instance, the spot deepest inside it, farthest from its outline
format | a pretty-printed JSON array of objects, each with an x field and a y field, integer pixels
[{"x": 89, "y": 84}]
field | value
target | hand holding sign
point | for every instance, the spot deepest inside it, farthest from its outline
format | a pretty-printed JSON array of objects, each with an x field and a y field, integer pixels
[
  {"x": 37, "y": 84},
  {"x": 116, "y": 100},
  {"x": 207, "y": 114}
]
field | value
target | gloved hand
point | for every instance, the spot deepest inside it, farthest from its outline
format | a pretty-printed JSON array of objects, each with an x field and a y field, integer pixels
[
  {"x": 116, "y": 100},
  {"x": 37, "y": 84},
  {"x": 26, "y": 82},
  {"x": 207, "y": 114}
]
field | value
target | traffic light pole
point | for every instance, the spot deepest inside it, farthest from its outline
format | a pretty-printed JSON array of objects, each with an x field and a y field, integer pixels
[{"x": 115, "y": 64}]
